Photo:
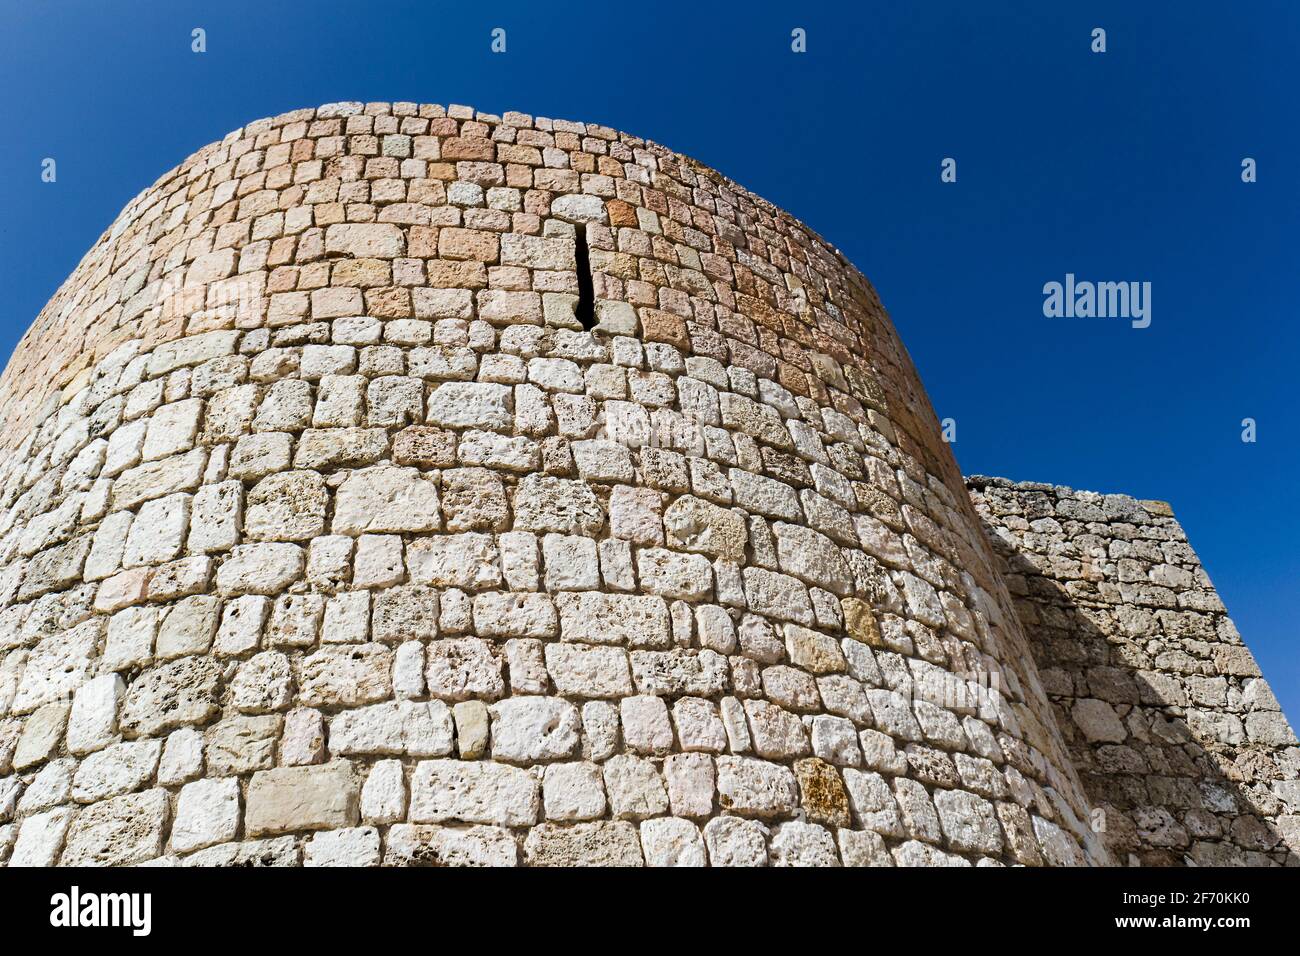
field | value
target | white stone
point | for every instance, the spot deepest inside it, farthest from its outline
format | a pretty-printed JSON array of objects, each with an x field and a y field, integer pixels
[
  {"x": 241, "y": 625},
  {"x": 573, "y": 791},
  {"x": 471, "y": 405},
  {"x": 408, "y": 670},
  {"x": 260, "y": 569},
  {"x": 733, "y": 841},
  {"x": 386, "y": 498},
  {"x": 182, "y": 757},
  {"x": 347, "y": 618},
  {"x": 40, "y": 838},
  {"x": 530, "y": 730},
  {"x": 646, "y": 726},
  {"x": 158, "y": 532},
  {"x": 571, "y": 563},
  {"x": 287, "y": 506},
  {"x": 473, "y": 792},
  {"x": 670, "y": 841},
  {"x": 755, "y": 788},
  {"x": 207, "y": 813},
  {"x": 379, "y": 561},
  {"x": 691, "y": 784},
  {"x": 262, "y": 684},
  {"x": 354, "y": 846},
  {"x": 216, "y": 515},
  {"x": 636, "y": 791},
  {"x": 172, "y": 429},
  {"x": 699, "y": 728},
  {"x": 116, "y": 769},
  {"x": 92, "y": 723},
  {"x": 470, "y": 561},
  {"x": 585, "y": 671},
  {"x": 688, "y": 577},
  {"x": 479, "y": 846},
  {"x": 463, "y": 669},
  {"x": 383, "y": 796},
  {"x": 795, "y": 843},
  {"x": 416, "y": 729}
]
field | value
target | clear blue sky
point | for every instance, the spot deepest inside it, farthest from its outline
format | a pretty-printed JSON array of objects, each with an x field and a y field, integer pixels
[{"x": 1122, "y": 166}]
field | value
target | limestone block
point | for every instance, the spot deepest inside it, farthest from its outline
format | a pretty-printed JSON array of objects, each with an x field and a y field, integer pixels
[
  {"x": 473, "y": 792},
  {"x": 573, "y": 791},
  {"x": 601, "y": 843},
  {"x": 386, "y": 499},
  {"x": 176, "y": 694},
  {"x": 354, "y": 846},
  {"x": 118, "y": 832},
  {"x": 671, "y": 841},
  {"x": 289, "y": 506},
  {"x": 450, "y": 846},
  {"x": 301, "y": 798},
  {"x": 530, "y": 730},
  {"x": 345, "y": 675},
  {"x": 733, "y": 841},
  {"x": 207, "y": 813}
]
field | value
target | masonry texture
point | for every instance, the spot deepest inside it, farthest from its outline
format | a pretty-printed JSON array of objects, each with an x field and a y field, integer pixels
[
  {"x": 403, "y": 485},
  {"x": 1181, "y": 744}
]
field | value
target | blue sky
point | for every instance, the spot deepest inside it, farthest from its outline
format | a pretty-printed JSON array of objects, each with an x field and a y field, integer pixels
[{"x": 1121, "y": 166}]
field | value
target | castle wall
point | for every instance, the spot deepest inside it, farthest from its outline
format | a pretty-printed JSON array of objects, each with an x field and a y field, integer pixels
[
  {"x": 331, "y": 533},
  {"x": 1177, "y": 737}
]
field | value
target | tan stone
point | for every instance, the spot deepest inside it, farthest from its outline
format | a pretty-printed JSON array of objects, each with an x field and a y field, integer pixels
[{"x": 302, "y": 798}]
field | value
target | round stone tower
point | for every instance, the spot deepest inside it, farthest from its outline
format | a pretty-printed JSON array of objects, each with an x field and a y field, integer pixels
[{"x": 398, "y": 484}]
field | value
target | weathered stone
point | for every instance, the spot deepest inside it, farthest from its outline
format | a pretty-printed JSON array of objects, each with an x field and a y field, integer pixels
[
  {"x": 546, "y": 503},
  {"x": 798, "y": 613},
  {"x": 470, "y": 562},
  {"x": 534, "y": 729},
  {"x": 803, "y": 844},
  {"x": 241, "y": 743},
  {"x": 56, "y": 667},
  {"x": 573, "y": 791},
  {"x": 171, "y": 695},
  {"x": 463, "y": 669},
  {"x": 301, "y": 798},
  {"x": 118, "y": 832},
  {"x": 669, "y": 841},
  {"x": 697, "y": 525},
  {"x": 733, "y": 841},
  {"x": 473, "y": 792},
  {"x": 207, "y": 813},
  {"x": 755, "y": 788},
  {"x": 603, "y": 843},
  {"x": 289, "y": 506},
  {"x": 260, "y": 569},
  {"x": 386, "y": 499},
  {"x": 346, "y": 675},
  {"x": 383, "y": 797},
  {"x": 117, "y": 769},
  {"x": 670, "y": 673},
  {"x": 450, "y": 846},
  {"x": 354, "y": 846},
  {"x": 41, "y": 735},
  {"x": 585, "y": 671},
  {"x": 402, "y": 727},
  {"x": 635, "y": 620}
]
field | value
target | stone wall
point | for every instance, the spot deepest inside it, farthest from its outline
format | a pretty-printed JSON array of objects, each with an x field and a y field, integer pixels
[
  {"x": 408, "y": 485},
  {"x": 1181, "y": 744}
]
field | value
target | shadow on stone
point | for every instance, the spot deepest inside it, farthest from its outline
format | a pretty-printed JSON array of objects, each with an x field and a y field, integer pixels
[{"x": 1180, "y": 745}]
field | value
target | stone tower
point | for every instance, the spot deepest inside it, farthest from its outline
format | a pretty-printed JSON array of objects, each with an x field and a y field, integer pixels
[{"x": 402, "y": 484}]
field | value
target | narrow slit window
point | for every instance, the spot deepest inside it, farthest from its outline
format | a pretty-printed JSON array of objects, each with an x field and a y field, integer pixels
[{"x": 586, "y": 307}]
